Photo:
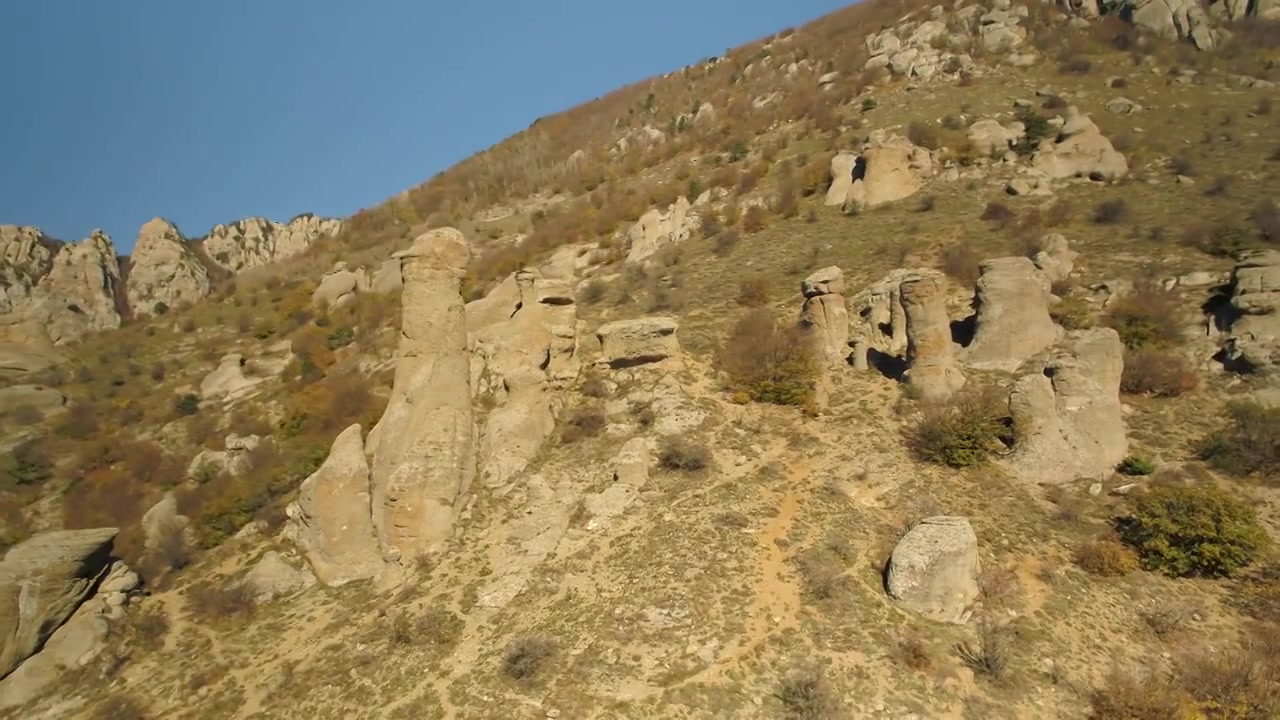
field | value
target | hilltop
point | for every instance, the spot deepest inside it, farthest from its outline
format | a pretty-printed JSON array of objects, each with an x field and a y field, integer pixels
[{"x": 917, "y": 362}]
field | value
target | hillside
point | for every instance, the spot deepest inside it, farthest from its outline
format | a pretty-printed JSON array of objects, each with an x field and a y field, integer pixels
[{"x": 917, "y": 362}]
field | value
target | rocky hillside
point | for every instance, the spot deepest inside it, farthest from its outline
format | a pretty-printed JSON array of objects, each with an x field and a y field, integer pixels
[{"x": 918, "y": 362}]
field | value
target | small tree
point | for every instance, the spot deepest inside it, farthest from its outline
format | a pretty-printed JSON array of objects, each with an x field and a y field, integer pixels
[
  {"x": 768, "y": 362},
  {"x": 1186, "y": 530},
  {"x": 963, "y": 433}
]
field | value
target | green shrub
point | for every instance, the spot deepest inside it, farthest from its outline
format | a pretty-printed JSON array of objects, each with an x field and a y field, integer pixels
[
  {"x": 1146, "y": 318},
  {"x": 1134, "y": 466},
  {"x": 340, "y": 338},
  {"x": 963, "y": 433},
  {"x": 186, "y": 404},
  {"x": 1036, "y": 127},
  {"x": 1192, "y": 530},
  {"x": 1072, "y": 312},
  {"x": 27, "y": 464},
  {"x": 768, "y": 362},
  {"x": 1249, "y": 445},
  {"x": 806, "y": 694}
]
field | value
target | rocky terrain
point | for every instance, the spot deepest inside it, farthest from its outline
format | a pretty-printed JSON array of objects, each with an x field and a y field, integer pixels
[{"x": 920, "y": 362}]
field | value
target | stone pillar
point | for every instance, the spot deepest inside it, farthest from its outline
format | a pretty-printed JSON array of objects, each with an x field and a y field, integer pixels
[
  {"x": 931, "y": 366},
  {"x": 824, "y": 311}
]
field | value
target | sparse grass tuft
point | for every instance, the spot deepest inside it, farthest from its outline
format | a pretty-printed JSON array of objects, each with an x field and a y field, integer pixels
[
  {"x": 961, "y": 263},
  {"x": 806, "y": 694},
  {"x": 213, "y": 602},
  {"x": 679, "y": 454},
  {"x": 527, "y": 656},
  {"x": 989, "y": 654},
  {"x": 585, "y": 422},
  {"x": 1111, "y": 212}
]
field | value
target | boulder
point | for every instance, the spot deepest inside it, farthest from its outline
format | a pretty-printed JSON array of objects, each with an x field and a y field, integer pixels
[
  {"x": 338, "y": 287},
  {"x": 1080, "y": 150},
  {"x": 1013, "y": 322},
  {"x": 1066, "y": 410},
  {"x": 387, "y": 279},
  {"x": 274, "y": 577},
  {"x": 885, "y": 172},
  {"x": 228, "y": 380},
  {"x": 876, "y": 313},
  {"x": 164, "y": 271},
  {"x": 931, "y": 367},
  {"x": 934, "y": 569},
  {"x": 1253, "y": 338},
  {"x": 657, "y": 229},
  {"x": 1174, "y": 19},
  {"x": 1055, "y": 259},
  {"x": 626, "y": 343},
  {"x": 42, "y": 582},
  {"x": 44, "y": 400},
  {"x": 989, "y": 136},
  {"x": 164, "y": 528},
  {"x": 256, "y": 242},
  {"x": 332, "y": 519}
]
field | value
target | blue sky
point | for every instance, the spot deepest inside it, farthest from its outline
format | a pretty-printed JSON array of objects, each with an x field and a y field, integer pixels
[{"x": 206, "y": 112}]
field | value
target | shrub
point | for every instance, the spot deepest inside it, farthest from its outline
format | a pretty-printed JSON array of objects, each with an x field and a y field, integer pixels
[
  {"x": 767, "y": 362},
  {"x": 960, "y": 262},
  {"x": 1157, "y": 374},
  {"x": 592, "y": 292},
  {"x": 1146, "y": 318},
  {"x": 148, "y": 627},
  {"x": 526, "y": 656},
  {"x": 926, "y": 203},
  {"x": 1186, "y": 530},
  {"x": 676, "y": 453},
  {"x": 26, "y": 415},
  {"x": 998, "y": 213},
  {"x": 989, "y": 655},
  {"x": 1107, "y": 557},
  {"x": 1183, "y": 165},
  {"x": 80, "y": 423},
  {"x": 1165, "y": 616},
  {"x": 726, "y": 242},
  {"x": 27, "y": 464},
  {"x": 120, "y": 707},
  {"x": 157, "y": 372},
  {"x": 340, "y": 338},
  {"x": 585, "y": 422},
  {"x": 1235, "y": 682},
  {"x": 213, "y": 602},
  {"x": 924, "y": 135},
  {"x": 753, "y": 219},
  {"x": 807, "y": 695},
  {"x": 1135, "y": 466},
  {"x": 753, "y": 292},
  {"x": 963, "y": 433},
  {"x": 594, "y": 386},
  {"x": 1075, "y": 66},
  {"x": 1127, "y": 696},
  {"x": 1110, "y": 212},
  {"x": 1249, "y": 444},
  {"x": 1266, "y": 218},
  {"x": 1036, "y": 128},
  {"x": 186, "y": 404},
  {"x": 1072, "y": 313}
]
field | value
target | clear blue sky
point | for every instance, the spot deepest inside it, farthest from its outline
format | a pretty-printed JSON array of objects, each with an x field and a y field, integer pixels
[{"x": 205, "y": 112}]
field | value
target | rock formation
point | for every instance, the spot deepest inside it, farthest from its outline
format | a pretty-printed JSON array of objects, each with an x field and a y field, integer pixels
[
  {"x": 340, "y": 286},
  {"x": 1013, "y": 320},
  {"x": 423, "y": 448},
  {"x": 232, "y": 459},
  {"x": 1079, "y": 150},
  {"x": 1066, "y": 410},
  {"x": 164, "y": 528},
  {"x": 227, "y": 381},
  {"x": 255, "y": 242},
  {"x": 825, "y": 314},
  {"x": 1172, "y": 19},
  {"x": 657, "y": 229},
  {"x": 878, "y": 319},
  {"x": 1055, "y": 258},
  {"x": 888, "y": 170},
  {"x": 42, "y": 582},
  {"x": 988, "y": 136},
  {"x": 274, "y": 577},
  {"x": 164, "y": 272},
  {"x": 1253, "y": 337},
  {"x": 25, "y": 348},
  {"x": 79, "y": 293},
  {"x": 934, "y": 569},
  {"x": 26, "y": 255},
  {"x": 387, "y": 278},
  {"x": 931, "y": 367},
  {"x": 44, "y": 400},
  {"x": 625, "y": 343}
]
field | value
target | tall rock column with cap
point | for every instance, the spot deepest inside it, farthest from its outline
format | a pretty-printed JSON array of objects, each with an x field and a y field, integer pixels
[
  {"x": 931, "y": 362},
  {"x": 824, "y": 311},
  {"x": 423, "y": 448}
]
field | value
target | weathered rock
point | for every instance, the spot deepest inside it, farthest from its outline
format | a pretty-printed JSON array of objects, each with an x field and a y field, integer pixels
[
  {"x": 824, "y": 312},
  {"x": 424, "y": 446},
  {"x": 274, "y": 577},
  {"x": 885, "y": 172},
  {"x": 42, "y": 582},
  {"x": 1174, "y": 19},
  {"x": 877, "y": 316},
  {"x": 338, "y": 287},
  {"x": 255, "y": 242},
  {"x": 164, "y": 272},
  {"x": 1055, "y": 258},
  {"x": 931, "y": 367},
  {"x": 25, "y": 348},
  {"x": 1066, "y": 410},
  {"x": 164, "y": 528},
  {"x": 1122, "y": 106},
  {"x": 1253, "y": 339},
  {"x": 332, "y": 520},
  {"x": 625, "y": 343},
  {"x": 1080, "y": 150},
  {"x": 227, "y": 381},
  {"x": 70, "y": 646},
  {"x": 387, "y": 279},
  {"x": 1013, "y": 320},
  {"x": 44, "y": 400},
  {"x": 234, "y": 459},
  {"x": 26, "y": 256},
  {"x": 989, "y": 136},
  {"x": 78, "y": 294},
  {"x": 934, "y": 569},
  {"x": 656, "y": 230}
]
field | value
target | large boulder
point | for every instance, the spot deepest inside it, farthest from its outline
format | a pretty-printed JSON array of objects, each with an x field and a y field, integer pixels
[
  {"x": 625, "y": 343},
  {"x": 1253, "y": 338},
  {"x": 1055, "y": 258},
  {"x": 42, "y": 582},
  {"x": 1066, "y": 410},
  {"x": 255, "y": 242},
  {"x": 1174, "y": 19},
  {"x": 1013, "y": 320},
  {"x": 934, "y": 569},
  {"x": 1080, "y": 150},
  {"x": 657, "y": 229},
  {"x": 339, "y": 287},
  {"x": 886, "y": 171},
  {"x": 44, "y": 400},
  {"x": 164, "y": 271},
  {"x": 227, "y": 381},
  {"x": 931, "y": 366},
  {"x": 989, "y": 136},
  {"x": 332, "y": 519},
  {"x": 274, "y": 577}
]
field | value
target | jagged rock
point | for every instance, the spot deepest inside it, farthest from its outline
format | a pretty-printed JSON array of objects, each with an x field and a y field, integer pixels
[
  {"x": 233, "y": 459},
  {"x": 164, "y": 272},
  {"x": 332, "y": 520},
  {"x": 44, "y": 400},
  {"x": 1080, "y": 150},
  {"x": 625, "y": 343},
  {"x": 885, "y": 172},
  {"x": 164, "y": 528},
  {"x": 1013, "y": 320},
  {"x": 1066, "y": 410},
  {"x": 255, "y": 242},
  {"x": 42, "y": 582},
  {"x": 1055, "y": 258},
  {"x": 26, "y": 256},
  {"x": 930, "y": 356},
  {"x": 71, "y": 646},
  {"x": 630, "y": 474},
  {"x": 1174, "y": 19},
  {"x": 656, "y": 230},
  {"x": 1253, "y": 339},
  {"x": 646, "y": 136},
  {"x": 228, "y": 380},
  {"x": 1000, "y": 32},
  {"x": 825, "y": 313},
  {"x": 25, "y": 348},
  {"x": 877, "y": 314},
  {"x": 988, "y": 136},
  {"x": 67, "y": 290},
  {"x": 706, "y": 114},
  {"x": 338, "y": 287},
  {"x": 423, "y": 448},
  {"x": 387, "y": 279},
  {"x": 934, "y": 569},
  {"x": 274, "y": 577},
  {"x": 1022, "y": 187}
]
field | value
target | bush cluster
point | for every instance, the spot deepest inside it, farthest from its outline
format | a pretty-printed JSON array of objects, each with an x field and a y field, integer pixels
[
  {"x": 769, "y": 362},
  {"x": 963, "y": 433},
  {"x": 1192, "y": 530}
]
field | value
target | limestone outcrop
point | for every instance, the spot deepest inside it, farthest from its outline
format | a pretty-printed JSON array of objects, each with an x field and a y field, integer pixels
[
  {"x": 1079, "y": 150},
  {"x": 255, "y": 242},
  {"x": 824, "y": 312},
  {"x": 931, "y": 366},
  {"x": 657, "y": 229},
  {"x": 1013, "y": 320},
  {"x": 877, "y": 318},
  {"x": 25, "y": 348},
  {"x": 42, "y": 582},
  {"x": 886, "y": 171},
  {"x": 423, "y": 448},
  {"x": 625, "y": 343},
  {"x": 1253, "y": 338},
  {"x": 988, "y": 136},
  {"x": 1066, "y": 410},
  {"x": 164, "y": 271},
  {"x": 1173, "y": 20},
  {"x": 227, "y": 381},
  {"x": 79, "y": 293},
  {"x": 340, "y": 286},
  {"x": 1055, "y": 258},
  {"x": 26, "y": 255},
  {"x": 934, "y": 569},
  {"x": 233, "y": 459}
]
